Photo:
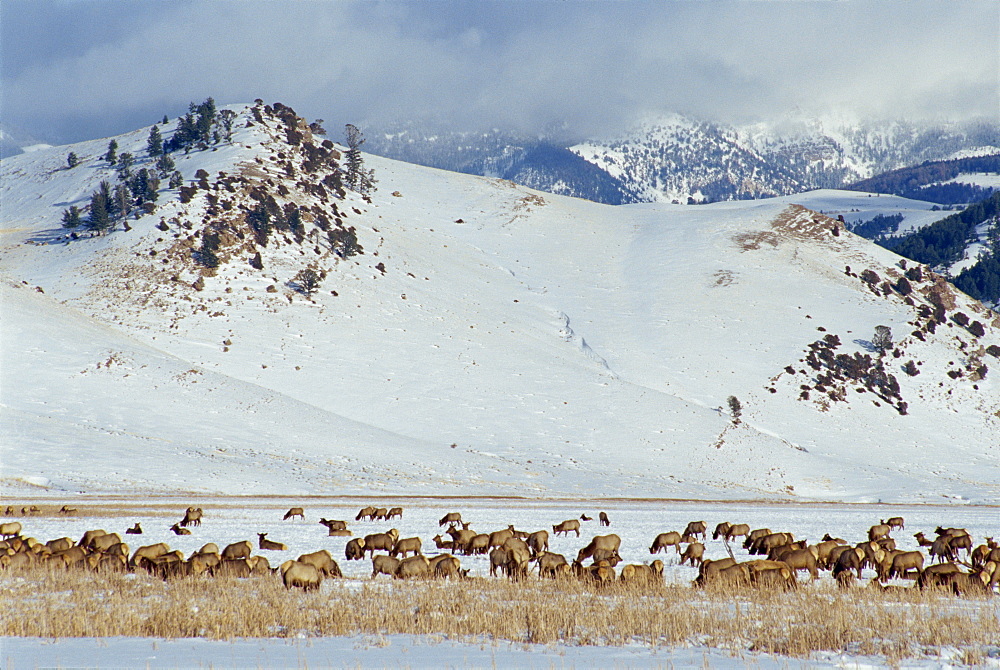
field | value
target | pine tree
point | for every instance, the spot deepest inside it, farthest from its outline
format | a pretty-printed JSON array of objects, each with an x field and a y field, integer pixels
[
  {"x": 176, "y": 180},
  {"x": 882, "y": 340},
  {"x": 735, "y": 408},
  {"x": 71, "y": 217},
  {"x": 165, "y": 165},
  {"x": 206, "y": 118},
  {"x": 165, "y": 120},
  {"x": 358, "y": 179},
  {"x": 112, "y": 155},
  {"x": 125, "y": 163},
  {"x": 123, "y": 200},
  {"x": 227, "y": 118},
  {"x": 154, "y": 143},
  {"x": 100, "y": 218},
  {"x": 72, "y": 160}
]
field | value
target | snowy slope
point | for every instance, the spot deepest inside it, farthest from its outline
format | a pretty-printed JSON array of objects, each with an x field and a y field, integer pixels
[{"x": 489, "y": 340}]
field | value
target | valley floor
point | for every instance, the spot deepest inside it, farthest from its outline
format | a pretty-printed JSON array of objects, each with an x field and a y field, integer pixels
[{"x": 637, "y": 522}]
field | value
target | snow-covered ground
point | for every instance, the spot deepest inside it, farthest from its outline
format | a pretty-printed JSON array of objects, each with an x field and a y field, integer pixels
[
  {"x": 401, "y": 651},
  {"x": 636, "y": 522},
  {"x": 517, "y": 343}
]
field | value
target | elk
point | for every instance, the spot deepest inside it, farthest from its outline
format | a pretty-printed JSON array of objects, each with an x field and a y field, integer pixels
[
  {"x": 134, "y": 530},
  {"x": 293, "y": 512},
  {"x": 566, "y": 526},
  {"x": 664, "y": 540},
  {"x": 696, "y": 528},
  {"x": 450, "y": 518},
  {"x": 301, "y": 575},
  {"x": 192, "y": 517},
  {"x": 264, "y": 543}
]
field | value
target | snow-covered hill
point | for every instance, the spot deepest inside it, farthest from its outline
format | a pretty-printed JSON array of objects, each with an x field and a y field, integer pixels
[{"x": 470, "y": 336}]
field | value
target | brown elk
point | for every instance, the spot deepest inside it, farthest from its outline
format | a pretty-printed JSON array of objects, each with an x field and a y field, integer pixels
[
  {"x": 192, "y": 517},
  {"x": 355, "y": 549},
  {"x": 664, "y": 540},
  {"x": 566, "y": 526},
  {"x": 404, "y": 546},
  {"x": 134, "y": 530},
  {"x": 384, "y": 565},
  {"x": 300, "y": 575},
  {"x": 894, "y": 522},
  {"x": 695, "y": 552},
  {"x": 609, "y": 543},
  {"x": 604, "y": 520},
  {"x": 237, "y": 550},
  {"x": 270, "y": 545},
  {"x": 550, "y": 565},
  {"x": 450, "y": 518},
  {"x": 696, "y": 528},
  {"x": 322, "y": 561},
  {"x": 294, "y": 512},
  {"x": 414, "y": 566}
]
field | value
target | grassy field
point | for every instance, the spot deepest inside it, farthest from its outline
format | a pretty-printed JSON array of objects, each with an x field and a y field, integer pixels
[{"x": 895, "y": 624}]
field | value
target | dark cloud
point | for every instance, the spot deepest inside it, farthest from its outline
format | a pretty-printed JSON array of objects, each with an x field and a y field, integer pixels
[{"x": 81, "y": 69}]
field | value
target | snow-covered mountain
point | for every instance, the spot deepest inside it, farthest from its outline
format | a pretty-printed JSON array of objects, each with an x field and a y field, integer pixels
[
  {"x": 680, "y": 159},
  {"x": 470, "y": 336},
  {"x": 14, "y": 141}
]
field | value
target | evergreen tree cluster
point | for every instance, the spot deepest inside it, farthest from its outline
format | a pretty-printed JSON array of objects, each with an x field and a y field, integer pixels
[
  {"x": 922, "y": 182},
  {"x": 944, "y": 242},
  {"x": 196, "y": 129},
  {"x": 878, "y": 226},
  {"x": 982, "y": 280}
]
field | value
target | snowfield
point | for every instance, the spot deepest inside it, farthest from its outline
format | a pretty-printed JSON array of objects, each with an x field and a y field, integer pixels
[{"x": 490, "y": 340}]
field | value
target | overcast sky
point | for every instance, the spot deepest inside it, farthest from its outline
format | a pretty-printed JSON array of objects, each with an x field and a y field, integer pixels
[{"x": 78, "y": 69}]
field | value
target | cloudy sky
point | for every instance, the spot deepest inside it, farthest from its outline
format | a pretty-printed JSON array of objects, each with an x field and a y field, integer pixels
[{"x": 78, "y": 69}]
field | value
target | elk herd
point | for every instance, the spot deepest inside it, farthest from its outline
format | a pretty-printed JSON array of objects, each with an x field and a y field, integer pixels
[{"x": 774, "y": 558}]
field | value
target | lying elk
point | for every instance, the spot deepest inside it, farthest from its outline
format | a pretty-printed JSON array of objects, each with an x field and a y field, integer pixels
[
  {"x": 134, "y": 530},
  {"x": 264, "y": 543}
]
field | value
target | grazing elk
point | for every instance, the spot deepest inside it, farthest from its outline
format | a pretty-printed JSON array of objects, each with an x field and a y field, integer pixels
[
  {"x": 192, "y": 517},
  {"x": 604, "y": 520},
  {"x": 664, "y": 540},
  {"x": 300, "y": 575},
  {"x": 293, "y": 512},
  {"x": 695, "y": 528},
  {"x": 450, "y": 518}
]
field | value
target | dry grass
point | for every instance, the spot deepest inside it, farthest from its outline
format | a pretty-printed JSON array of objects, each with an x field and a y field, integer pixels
[{"x": 46, "y": 602}]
